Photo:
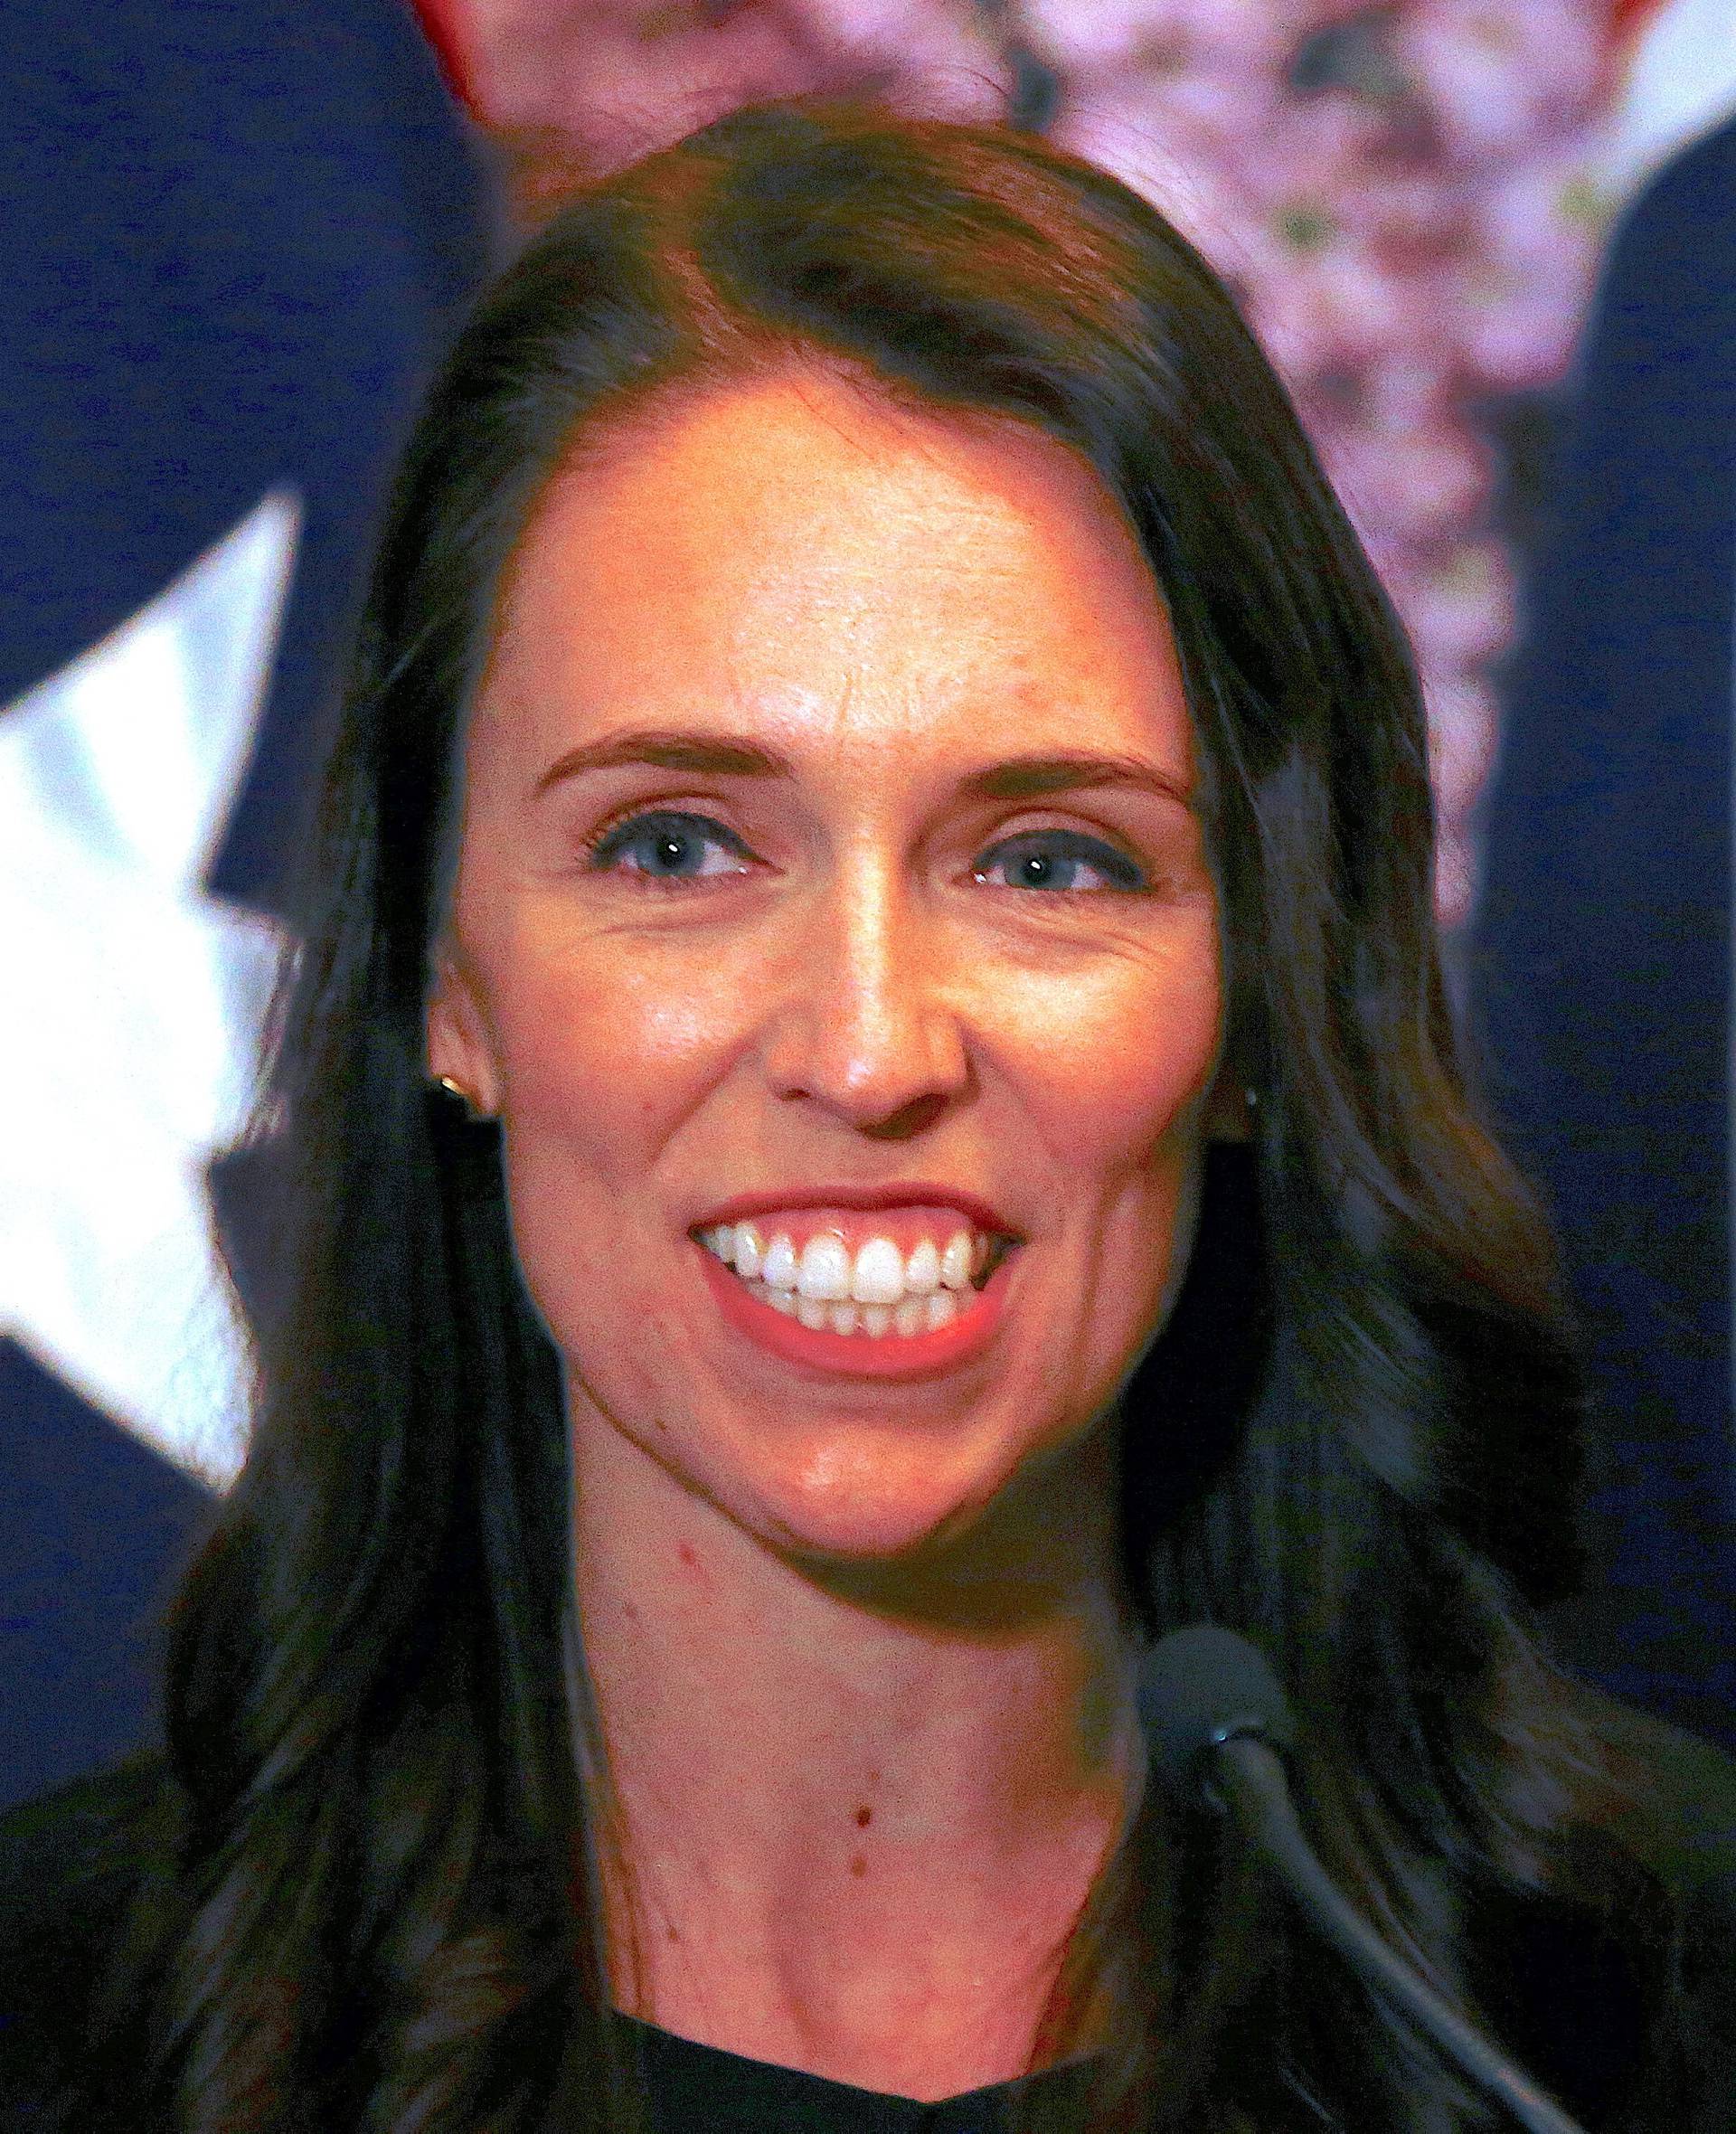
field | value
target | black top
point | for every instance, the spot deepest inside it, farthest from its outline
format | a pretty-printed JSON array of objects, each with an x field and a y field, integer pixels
[
  {"x": 693, "y": 2088},
  {"x": 1567, "y": 1995}
]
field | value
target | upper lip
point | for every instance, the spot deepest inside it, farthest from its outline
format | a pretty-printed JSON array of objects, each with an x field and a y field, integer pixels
[{"x": 893, "y": 1193}]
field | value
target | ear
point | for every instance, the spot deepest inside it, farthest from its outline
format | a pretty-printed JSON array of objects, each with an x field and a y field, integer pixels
[{"x": 458, "y": 1049}]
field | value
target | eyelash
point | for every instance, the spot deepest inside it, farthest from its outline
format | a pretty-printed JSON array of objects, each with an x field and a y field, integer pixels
[{"x": 1121, "y": 874}]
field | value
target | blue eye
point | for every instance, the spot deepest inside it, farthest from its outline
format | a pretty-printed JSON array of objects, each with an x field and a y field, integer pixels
[
  {"x": 1060, "y": 859},
  {"x": 666, "y": 846}
]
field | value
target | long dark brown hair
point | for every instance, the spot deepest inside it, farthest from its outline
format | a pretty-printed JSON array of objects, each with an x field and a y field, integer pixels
[{"x": 1352, "y": 1442}]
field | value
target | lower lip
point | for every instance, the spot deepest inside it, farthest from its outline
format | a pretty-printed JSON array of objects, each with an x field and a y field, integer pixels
[{"x": 861, "y": 1355}]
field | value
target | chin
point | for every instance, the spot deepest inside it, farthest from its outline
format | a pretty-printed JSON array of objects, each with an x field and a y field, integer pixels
[{"x": 852, "y": 1507}]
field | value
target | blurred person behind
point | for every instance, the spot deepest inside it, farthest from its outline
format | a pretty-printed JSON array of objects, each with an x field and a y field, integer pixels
[{"x": 1602, "y": 962}]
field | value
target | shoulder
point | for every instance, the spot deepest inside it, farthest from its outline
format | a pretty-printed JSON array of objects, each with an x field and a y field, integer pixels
[
  {"x": 1673, "y": 1802},
  {"x": 1693, "y": 191},
  {"x": 1674, "y": 1812},
  {"x": 69, "y": 1858},
  {"x": 71, "y": 1863},
  {"x": 1659, "y": 357},
  {"x": 1616, "y": 1982}
]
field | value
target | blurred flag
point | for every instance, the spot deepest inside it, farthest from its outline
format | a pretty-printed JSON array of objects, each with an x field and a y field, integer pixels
[{"x": 238, "y": 237}]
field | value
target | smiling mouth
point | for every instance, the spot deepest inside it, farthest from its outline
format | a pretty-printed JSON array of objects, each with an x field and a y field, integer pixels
[
  {"x": 902, "y": 1294},
  {"x": 881, "y": 1289}
]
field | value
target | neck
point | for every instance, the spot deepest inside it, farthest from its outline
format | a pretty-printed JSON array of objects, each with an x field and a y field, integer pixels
[{"x": 854, "y": 1811}]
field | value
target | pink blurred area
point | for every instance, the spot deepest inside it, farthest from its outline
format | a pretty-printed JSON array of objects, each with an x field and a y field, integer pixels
[{"x": 1403, "y": 196}]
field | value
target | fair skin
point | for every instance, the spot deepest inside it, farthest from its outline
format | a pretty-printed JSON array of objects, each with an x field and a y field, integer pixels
[{"x": 916, "y": 912}]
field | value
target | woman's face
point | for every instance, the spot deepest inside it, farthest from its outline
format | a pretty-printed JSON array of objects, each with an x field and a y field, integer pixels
[{"x": 836, "y": 938}]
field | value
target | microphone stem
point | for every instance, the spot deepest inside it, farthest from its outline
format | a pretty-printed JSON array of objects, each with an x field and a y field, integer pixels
[{"x": 1250, "y": 1778}]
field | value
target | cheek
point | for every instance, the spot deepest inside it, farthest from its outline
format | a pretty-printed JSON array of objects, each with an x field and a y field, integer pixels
[
  {"x": 1122, "y": 1066},
  {"x": 1120, "y": 1060},
  {"x": 601, "y": 1056},
  {"x": 601, "y": 1045}
]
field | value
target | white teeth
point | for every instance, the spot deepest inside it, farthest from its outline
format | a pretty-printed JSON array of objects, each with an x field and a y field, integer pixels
[
  {"x": 915, "y": 1315},
  {"x": 878, "y": 1274},
  {"x": 880, "y": 1277},
  {"x": 874, "y": 1291},
  {"x": 824, "y": 1271},
  {"x": 923, "y": 1272}
]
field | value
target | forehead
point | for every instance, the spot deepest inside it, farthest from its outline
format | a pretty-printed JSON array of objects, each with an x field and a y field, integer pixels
[{"x": 802, "y": 553}]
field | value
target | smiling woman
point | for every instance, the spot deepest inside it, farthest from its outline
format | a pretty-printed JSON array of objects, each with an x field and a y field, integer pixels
[
  {"x": 828, "y": 858},
  {"x": 874, "y": 1127}
]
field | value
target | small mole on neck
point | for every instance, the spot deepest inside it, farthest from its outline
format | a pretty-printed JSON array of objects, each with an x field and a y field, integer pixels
[
  {"x": 864, "y": 1816},
  {"x": 858, "y": 1865},
  {"x": 685, "y": 1551}
]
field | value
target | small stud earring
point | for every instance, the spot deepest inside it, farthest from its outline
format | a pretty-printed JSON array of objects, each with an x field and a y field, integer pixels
[{"x": 458, "y": 1089}]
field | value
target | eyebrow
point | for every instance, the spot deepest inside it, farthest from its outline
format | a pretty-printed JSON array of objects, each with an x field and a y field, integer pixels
[{"x": 1020, "y": 778}]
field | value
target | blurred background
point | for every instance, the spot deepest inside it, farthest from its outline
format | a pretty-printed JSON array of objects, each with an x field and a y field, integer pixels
[{"x": 1490, "y": 244}]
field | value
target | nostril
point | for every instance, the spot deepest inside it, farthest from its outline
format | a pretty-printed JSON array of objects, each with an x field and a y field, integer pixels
[
  {"x": 886, "y": 1061},
  {"x": 908, "y": 1121}
]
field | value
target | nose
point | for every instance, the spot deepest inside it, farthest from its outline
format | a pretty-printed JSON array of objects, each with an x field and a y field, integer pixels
[{"x": 869, "y": 1025}]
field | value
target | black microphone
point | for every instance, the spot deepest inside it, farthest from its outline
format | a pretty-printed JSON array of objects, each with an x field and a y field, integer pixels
[{"x": 1216, "y": 1719}]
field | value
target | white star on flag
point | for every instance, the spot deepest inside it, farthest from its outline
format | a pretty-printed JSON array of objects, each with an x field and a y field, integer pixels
[{"x": 135, "y": 1002}]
